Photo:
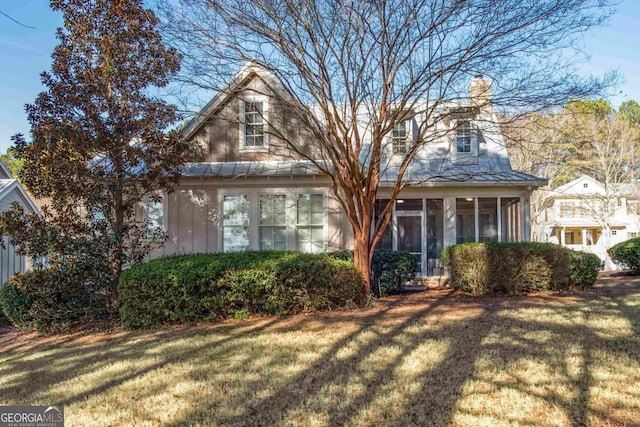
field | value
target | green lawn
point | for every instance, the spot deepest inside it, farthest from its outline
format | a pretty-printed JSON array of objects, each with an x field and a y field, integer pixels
[{"x": 433, "y": 358}]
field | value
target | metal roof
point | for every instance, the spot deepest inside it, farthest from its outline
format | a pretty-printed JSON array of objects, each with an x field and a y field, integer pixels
[{"x": 417, "y": 175}]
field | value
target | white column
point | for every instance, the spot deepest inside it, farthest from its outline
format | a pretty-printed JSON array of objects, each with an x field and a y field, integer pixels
[
  {"x": 476, "y": 219},
  {"x": 584, "y": 239},
  {"x": 449, "y": 221},
  {"x": 499, "y": 225},
  {"x": 562, "y": 237}
]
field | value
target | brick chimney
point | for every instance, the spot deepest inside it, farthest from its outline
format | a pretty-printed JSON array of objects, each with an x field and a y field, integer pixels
[{"x": 480, "y": 94}]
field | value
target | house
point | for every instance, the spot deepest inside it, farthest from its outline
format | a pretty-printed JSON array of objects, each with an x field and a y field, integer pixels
[
  {"x": 11, "y": 192},
  {"x": 576, "y": 213},
  {"x": 248, "y": 190}
]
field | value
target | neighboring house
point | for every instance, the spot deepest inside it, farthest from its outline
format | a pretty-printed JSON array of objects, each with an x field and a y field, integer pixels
[
  {"x": 11, "y": 191},
  {"x": 574, "y": 215},
  {"x": 248, "y": 190}
]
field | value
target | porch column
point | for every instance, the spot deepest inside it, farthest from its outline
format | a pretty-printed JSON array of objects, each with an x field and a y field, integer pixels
[
  {"x": 449, "y": 221},
  {"x": 584, "y": 239},
  {"x": 562, "y": 237}
]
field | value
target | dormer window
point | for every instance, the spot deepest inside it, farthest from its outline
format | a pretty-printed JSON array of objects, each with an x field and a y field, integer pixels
[
  {"x": 463, "y": 137},
  {"x": 585, "y": 185},
  {"x": 253, "y": 122},
  {"x": 400, "y": 137}
]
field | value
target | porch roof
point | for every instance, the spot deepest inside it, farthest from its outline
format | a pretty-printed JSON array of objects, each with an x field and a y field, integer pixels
[{"x": 419, "y": 174}]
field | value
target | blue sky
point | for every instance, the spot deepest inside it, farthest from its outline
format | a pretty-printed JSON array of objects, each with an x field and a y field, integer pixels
[{"x": 26, "y": 52}]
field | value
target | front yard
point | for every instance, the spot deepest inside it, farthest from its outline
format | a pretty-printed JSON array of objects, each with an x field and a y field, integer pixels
[{"x": 433, "y": 358}]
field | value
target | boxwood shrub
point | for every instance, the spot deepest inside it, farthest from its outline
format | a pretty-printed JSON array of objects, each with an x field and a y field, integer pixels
[
  {"x": 513, "y": 268},
  {"x": 627, "y": 254},
  {"x": 223, "y": 285},
  {"x": 53, "y": 299},
  {"x": 390, "y": 269}
]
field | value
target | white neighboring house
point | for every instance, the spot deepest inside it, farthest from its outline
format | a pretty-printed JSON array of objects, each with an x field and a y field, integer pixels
[
  {"x": 574, "y": 215},
  {"x": 11, "y": 191}
]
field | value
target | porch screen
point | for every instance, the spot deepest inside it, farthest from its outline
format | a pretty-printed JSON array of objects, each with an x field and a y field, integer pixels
[
  {"x": 387, "y": 241},
  {"x": 488, "y": 218},
  {"x": 510, "y": 218},
  {"x": 465, "y": 220}
]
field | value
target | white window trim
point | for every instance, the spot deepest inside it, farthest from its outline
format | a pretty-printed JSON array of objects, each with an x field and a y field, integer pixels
[
  {"x": 410, "y": 139},
  {"x": 165, "y": 211},
  {"x": 473, "y": 154},
  {"x": 242, "y": 126},
  {"x": 252, "y": 219}
]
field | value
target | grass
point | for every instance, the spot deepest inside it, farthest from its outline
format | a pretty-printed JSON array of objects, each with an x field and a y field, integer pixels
[{"x": 433, "y": 358}]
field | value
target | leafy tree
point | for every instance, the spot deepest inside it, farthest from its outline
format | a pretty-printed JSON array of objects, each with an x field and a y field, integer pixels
[
  {"x": 14, "y": 165},
  {"x": 98, "y": 144},
  {"x": 630, "y": 111},
  {"x": 354, "y": 70}
]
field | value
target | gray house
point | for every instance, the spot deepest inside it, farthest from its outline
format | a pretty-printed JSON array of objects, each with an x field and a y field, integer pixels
[
  {"x": 11, "y": 192},
  {"x": 248, "y": 190}
]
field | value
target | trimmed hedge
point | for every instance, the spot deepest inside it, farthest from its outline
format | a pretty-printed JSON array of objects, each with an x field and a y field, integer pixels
[
  {"x": 52, "y": 300},
  {"x": 223, "y": 285},
  {"x": 514, "y": 268},
  {"x": 390, "y": 269},
  {"x": 627, "y": 254}
]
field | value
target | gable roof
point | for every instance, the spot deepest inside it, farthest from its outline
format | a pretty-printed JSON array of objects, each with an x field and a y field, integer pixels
[
  {"x": 247, "y": 73},
  {"x": 7, "y": 186},
  {"x": 576, "y": 187},
  {"x": 5, "y": 173}
]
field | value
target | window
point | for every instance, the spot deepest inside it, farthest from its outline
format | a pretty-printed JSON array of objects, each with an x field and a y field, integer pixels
[
  {"x": 568, "y": 237},
  {"x": 614, "y": 232},
  {"x": 619, "y": 202},
  {"x": 463, "y": 137},
  {"x": 585, "y": 185},
  {"x": 273, "y": 222},
  {"x": 400, "y": 137},
  {"x": 310, "y": 223},
  {"x": 253, "y": 126},
  {"x": 633, "y": 235},
  {"x": 566, "y": 210},
  {"x": 154, "y": 211},
  {"x": 235, "y": 223}
]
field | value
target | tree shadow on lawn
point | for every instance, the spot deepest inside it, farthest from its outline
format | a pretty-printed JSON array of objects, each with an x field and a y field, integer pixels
[
  {"x": 487, "y": 334},
  {"x": 358, "y": 376}
]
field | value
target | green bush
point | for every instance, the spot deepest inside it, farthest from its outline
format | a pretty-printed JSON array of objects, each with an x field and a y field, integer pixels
[
  {"x": 52, "y": 300},
  {"x": 584, "y": 269},
  {"x": 493, "y": 267},
  {"x": 627, "y": 254},
  {"x": 227, "y": 285},
  {"x": 390, "y": 269}
]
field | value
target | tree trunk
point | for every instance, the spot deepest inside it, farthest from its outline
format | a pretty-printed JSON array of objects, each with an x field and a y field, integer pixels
[{"x": 362, "y": 260}]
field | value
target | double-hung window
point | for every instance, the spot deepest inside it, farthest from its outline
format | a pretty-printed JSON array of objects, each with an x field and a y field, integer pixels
[
  {"x": 154, "y": 212},
  {"x": 400, "y": 137},
  {"x": 254, "y": 115},
  {"x": 463, "y": 137},
  {"x": 310, "y": 223},
  {"x": 235, "y": 223},
  {"x": 273, "y": 222}
]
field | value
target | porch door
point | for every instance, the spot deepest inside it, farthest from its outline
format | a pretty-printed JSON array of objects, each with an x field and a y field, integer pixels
[{"x": 409, "y": 234}]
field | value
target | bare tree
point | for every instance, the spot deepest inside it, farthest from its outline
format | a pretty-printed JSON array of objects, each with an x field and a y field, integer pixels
[
  {"x": 353, "y": 70},
  {"x": 538, "y": 145},
  {"x": 605, "y": 146}
]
